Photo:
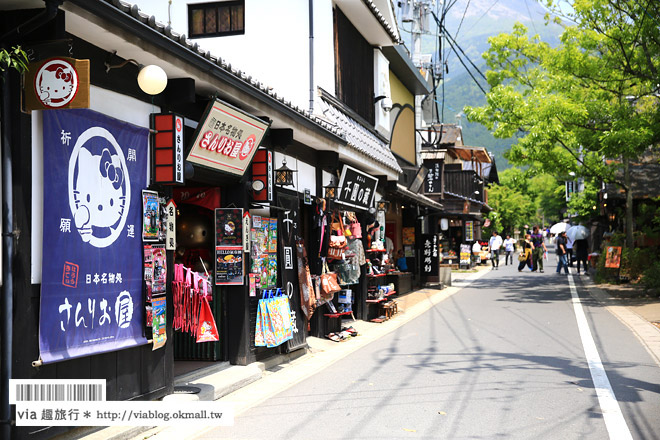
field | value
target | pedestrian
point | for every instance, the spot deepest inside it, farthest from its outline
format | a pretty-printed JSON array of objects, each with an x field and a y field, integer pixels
[
  {"x": 494, "y": 246},
  {"x": 561, "y": 252},
  {"x": 509, "y": 248},
  {"x": 539, "y": 250},
  {"x": 569, "y": 250},
  {"x": 525, "y": 257},
  {"x": 582, "y": 254},
  {"x": 401, "y": 261}
]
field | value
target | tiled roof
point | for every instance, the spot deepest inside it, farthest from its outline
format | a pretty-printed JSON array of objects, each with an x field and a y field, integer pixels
[
  {"x": 360, "y": 138},
  {"x": 379, "y": 16},
  {"x": 479, "y": 202},
  {"x": 180, "y": 39}
]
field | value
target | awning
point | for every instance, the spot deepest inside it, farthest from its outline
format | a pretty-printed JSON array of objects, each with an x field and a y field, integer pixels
[
  {"x": 420, "y": 199},
  {"x": 477, "y": 154}
]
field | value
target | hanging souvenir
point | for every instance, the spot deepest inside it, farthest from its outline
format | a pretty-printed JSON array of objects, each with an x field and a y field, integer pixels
[
  {"x": 150, "y": 216},
  {"x": 159, "y": 320}
]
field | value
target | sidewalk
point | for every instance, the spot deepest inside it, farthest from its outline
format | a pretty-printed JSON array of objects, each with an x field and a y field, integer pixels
[
  {"x": 633, "y": 307},
  {"x": 245, "y": 386}
]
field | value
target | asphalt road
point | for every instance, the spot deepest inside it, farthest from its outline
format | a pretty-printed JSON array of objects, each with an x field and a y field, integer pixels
[{"x": 503, "y": 358}]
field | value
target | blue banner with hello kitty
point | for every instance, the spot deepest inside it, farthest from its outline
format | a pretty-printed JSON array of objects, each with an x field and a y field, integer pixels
[{"x": 95, "y": 168}]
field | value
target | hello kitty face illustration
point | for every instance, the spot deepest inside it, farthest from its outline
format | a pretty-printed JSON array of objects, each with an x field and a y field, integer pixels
[
  {"x": 99, "y": 187},
  {"x": 56, "y": 83}
]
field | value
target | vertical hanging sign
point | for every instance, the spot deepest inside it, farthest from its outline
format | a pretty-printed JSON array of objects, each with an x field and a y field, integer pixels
[
  {"x": 91, "y": 293},
  {"x": 167, "y": 148},
  {"x": 246, "y": 231},
  {"x": 429, "y": 254},
  {"x": 287, "y": 225},
  {"x": 170, "y": 234}
]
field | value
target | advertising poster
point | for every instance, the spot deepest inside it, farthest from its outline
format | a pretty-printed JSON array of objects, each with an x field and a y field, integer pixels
[
  {"x": 158, "y": 323},
  {"x": 229, "y": 246},
  {"x": 91, "y": 293},
  {"x": 229, "y": 266},
  {"x": 613, "y": 257},
  {"x": 469, "y": 230},
  {"x": 159, "y": 264},
  {"x": 465, "y": 254},
  {"x": 408, "y": 236},
  {"x": 150, "y": 216}
]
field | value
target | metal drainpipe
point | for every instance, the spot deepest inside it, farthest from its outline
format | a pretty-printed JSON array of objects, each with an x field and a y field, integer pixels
[
  {"x": 7, "y": 303},
  {"x": 311, "y": 56}
]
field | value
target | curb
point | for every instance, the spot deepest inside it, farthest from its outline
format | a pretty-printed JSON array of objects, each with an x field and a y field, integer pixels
[{"x": 644, "y": 331}]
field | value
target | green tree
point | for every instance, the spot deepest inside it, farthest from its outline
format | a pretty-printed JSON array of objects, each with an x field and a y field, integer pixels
[
  {"x": 511, "y": 209},
  {"x": 591, "y": 97}
]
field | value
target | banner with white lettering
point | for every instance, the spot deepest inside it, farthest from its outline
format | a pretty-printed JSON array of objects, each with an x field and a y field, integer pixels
[
  {"x": 95, "y": 168},
  {"x": 287, "y": 225}
]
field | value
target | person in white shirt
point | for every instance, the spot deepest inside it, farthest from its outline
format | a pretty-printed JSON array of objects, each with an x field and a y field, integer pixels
[
  {"x": 494, "y": 246},
  {"x": 509, "y": 247}
]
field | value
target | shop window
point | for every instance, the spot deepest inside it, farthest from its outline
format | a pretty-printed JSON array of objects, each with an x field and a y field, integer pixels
[{"x": 216, "y": 19}]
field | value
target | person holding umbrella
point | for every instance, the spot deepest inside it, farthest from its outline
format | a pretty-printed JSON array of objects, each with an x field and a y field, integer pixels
[{"x": 579, "y": 236}]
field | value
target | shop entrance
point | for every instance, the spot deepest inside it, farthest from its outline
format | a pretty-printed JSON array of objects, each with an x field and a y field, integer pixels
[{"x": 195, "y": 250}]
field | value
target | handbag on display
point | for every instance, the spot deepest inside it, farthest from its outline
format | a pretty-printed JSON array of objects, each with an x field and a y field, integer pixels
[
  {"x": 329, "y": 284},
  {"x": 354, "y": 225},
  {"x": 337, "y": 237}
]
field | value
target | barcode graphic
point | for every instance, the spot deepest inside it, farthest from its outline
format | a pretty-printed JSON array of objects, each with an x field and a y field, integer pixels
[{"x": 57, "y": 391}]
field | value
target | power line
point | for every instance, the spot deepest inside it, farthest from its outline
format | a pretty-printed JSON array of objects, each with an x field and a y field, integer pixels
[
  {"x": 465, "y": 55},
  {"x": 466, "y": 68},
  {"x": 482, "y": 15},
  {"x": 530, "y": 17},
  {"x": 462, "y": 18}
]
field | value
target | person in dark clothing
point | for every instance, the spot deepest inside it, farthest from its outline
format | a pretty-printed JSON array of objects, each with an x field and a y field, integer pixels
[
  {"x": 561, "y": 253},
  {"x": 539, "y": 250},
  {"x": 581, "y": 254}
]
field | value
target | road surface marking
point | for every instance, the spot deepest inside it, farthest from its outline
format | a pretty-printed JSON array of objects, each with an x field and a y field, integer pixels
[{"x": 614, "y": 421}]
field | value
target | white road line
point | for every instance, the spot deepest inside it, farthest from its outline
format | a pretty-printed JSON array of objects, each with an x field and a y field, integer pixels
[{"x": 614, "y": 421}]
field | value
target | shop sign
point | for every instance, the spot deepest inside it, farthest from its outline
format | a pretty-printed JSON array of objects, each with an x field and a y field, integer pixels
[
  {"x": 167, "y": 148},
  {"x": 57, "y": 83},
  {"x": 262, "y": 176},
  {"x": 229, "y": 246},
  {"x": 434, "y": 177},
  {"x": 356, "y": 189},
  {"x": 429, "y": 254},
  {"x": 170, "y": 231},
  {"x": 246, "y": 231},
  {"x": 287, "y": 225},
  {"x": 469, "y": 230},
  {"x": 419, "y": 180},
  {"x": 91, "y": 293},
  {"x": 226, "y": 139}
]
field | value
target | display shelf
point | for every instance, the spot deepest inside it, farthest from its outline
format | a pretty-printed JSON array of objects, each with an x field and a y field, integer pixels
[
  {"x": 349, "y": 284},
  {"x": 377, "y": 276},
  {"x": 384, "y": 298},
  {"x": 336, "y": 315},
  {"x": 376, "y": 250}
]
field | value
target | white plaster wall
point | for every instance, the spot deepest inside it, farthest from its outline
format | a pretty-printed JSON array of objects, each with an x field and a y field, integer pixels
[
  {"x": 275, "y": 46},
  {"x": 103, "y": 101},
  {"x": 304, "y": 179}
]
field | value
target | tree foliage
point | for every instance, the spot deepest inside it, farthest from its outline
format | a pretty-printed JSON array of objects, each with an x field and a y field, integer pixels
[
  {"x": 593, "y": 96},
  {"x": 15, "y": 58}
]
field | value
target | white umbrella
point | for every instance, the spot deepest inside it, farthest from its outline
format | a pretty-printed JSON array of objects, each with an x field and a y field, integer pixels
[
  {"x": 578, "y": 232},
  {"x": 558, "y": 227}
]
